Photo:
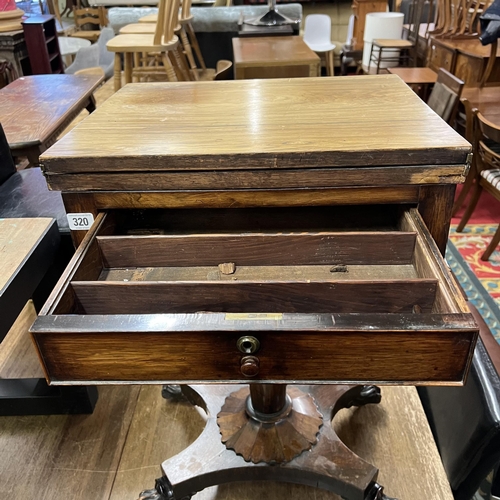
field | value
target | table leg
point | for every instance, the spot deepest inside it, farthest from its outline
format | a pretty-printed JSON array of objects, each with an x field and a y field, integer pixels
[
  {"x": 118, "y": 72},
  {"x": 90, "y": 107},
  {"x": 137, "y": 63},
  {"x": 435, "y": 206},
  {"x": 128, "y": 65}
]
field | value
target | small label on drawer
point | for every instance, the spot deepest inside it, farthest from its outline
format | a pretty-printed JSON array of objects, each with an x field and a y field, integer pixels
[
  {"x": 80, "y": 222},
  {"x": 254, "y": 316}
]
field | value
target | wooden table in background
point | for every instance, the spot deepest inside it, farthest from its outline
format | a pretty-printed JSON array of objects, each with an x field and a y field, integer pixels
[
  {"x": 28, "y": 246},
  {"x": 419, "y": 79},
  {"x": 34, "y": 110},
  {"x": 273, "y": 57}
]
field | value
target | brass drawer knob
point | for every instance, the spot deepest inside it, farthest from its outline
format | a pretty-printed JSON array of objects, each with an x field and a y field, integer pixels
[
  {"x": 250, "y": 366},
  {"x": 248, "y": 344}
]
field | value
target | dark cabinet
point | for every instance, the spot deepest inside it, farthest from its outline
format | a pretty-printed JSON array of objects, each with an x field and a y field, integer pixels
[{"x": 40, "y": 34}]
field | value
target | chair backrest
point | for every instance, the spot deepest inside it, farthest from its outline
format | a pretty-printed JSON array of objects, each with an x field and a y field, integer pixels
[
  {"x": 86, "y": 57},
  {"x": 105, "y": 56},
  {"x": 445, "y": 95},
  {"x": 415, "y": 18},
  {"x": 223, "y": 70},
  {"x": 168, "y": 18},
  {"x": 317, "y": 28},
  {"x": 488, "y": 143},
  {"x": 95, "y": 16},
  {"x": 185, "y": 9}
]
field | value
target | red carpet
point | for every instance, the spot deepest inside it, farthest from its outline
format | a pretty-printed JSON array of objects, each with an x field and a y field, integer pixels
[
  {"x": 474, "y": 239},
  {"x": 487, "y": 210}
]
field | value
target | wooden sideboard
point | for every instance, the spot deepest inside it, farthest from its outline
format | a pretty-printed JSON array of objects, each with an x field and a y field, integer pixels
[{"x": 465, "y": 58}]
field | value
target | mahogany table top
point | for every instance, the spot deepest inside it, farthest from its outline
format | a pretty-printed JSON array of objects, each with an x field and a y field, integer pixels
[
  {"x": 272, "y": 51},
  {"x": 260, "y": 124},
  {"x": 414, "y": 75},
  {"x": 32, "y": 108}
]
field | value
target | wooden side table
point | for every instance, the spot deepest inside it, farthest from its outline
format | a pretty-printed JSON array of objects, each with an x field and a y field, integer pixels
[
  {"x": 34, "y": 110},
  {"x": 292, "y": 165},
  {"x": 273, "y": 57}
]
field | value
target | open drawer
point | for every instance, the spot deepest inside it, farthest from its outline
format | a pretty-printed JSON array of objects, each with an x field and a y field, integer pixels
[{"x": 338, "y": 294}]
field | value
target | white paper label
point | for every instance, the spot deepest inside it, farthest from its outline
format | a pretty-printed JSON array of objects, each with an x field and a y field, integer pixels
[{"x": 80, "y": 222}]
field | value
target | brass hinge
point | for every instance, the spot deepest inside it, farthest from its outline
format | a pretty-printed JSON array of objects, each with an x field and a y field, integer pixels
[{"x": 468, "y": 164}]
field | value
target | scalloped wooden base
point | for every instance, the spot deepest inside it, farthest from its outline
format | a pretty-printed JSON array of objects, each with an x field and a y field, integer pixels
[{"x": 293, "y": 432}]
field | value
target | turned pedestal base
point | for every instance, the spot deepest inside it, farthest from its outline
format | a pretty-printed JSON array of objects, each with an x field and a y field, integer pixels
[{"x": 325, "y": 463}]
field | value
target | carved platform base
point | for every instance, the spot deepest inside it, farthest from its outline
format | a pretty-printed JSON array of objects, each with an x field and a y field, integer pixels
[
  {"x": 275, "y": 438},
  {"x": 329, "y": 464}
]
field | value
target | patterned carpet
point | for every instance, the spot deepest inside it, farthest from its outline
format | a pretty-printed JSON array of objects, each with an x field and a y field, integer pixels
[{"x": 480, "y": 280}]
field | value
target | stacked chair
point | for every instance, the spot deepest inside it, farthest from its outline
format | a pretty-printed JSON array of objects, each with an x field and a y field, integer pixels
[
  {"x": 147, "y": 55},
  {"x": 179, "y": 62},
  {"x": 190, "y": 43}
]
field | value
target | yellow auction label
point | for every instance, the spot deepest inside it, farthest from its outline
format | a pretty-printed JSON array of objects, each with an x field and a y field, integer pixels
[{"x": 247, "y": 316}]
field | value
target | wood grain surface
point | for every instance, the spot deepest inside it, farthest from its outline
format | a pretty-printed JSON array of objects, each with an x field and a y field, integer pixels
[
  {"x": 18, "y": 238},
  {"x": 252, "y": 179},
  {"x": 32, "y": 108},
  {"x": 414, "y": 75},
  {"x": 272, "y": 51},
  {"x": 258, "y": 249},
  {"x": 116, "y": 452},
  {"x": 344, "y": 354},
  {"x": 297, "y": 123},
  {"x": 139, "y": 297}
]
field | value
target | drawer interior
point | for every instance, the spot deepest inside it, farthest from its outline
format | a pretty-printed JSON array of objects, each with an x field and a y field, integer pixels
[{"x": 316, "y": 260}]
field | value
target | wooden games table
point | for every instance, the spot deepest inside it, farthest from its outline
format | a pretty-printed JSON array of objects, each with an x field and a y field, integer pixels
[
  {"x": 34, "y": 110},
  {"x": 294, "y": 249}
]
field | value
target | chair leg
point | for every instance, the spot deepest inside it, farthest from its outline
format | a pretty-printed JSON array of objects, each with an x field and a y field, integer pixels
[
  {"x": 379, "y": 58},
  {"x": 137, "y": 63},
  {"x": 169, "y": 68},
  {"x": 128, "y": 65},
  {"x": 189, "y": 52},
  {"x": 493, "y": 244},
  {"x": 469, "y": 182},
  {"x": 371, "y": 58},
  {"x": 472, "y": 205},
  {"x": 331, "y": 67},
  {"x": 195, "y": 45},
  {"x": 117, "y": 78}
]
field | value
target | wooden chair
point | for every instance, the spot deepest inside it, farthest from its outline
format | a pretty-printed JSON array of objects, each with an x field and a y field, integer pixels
[
  {"x": 95, "y": 17},
  {"x": 486, "y": 173},
  {"x": 163, "y": 44},
  {"x": 445, "y": 95},
  {"x": 223, "y": 70},
  {"x": 185, "y": 19},
  {"x": 185, "y": 57},
  {"x": 406, "y": 48}
]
